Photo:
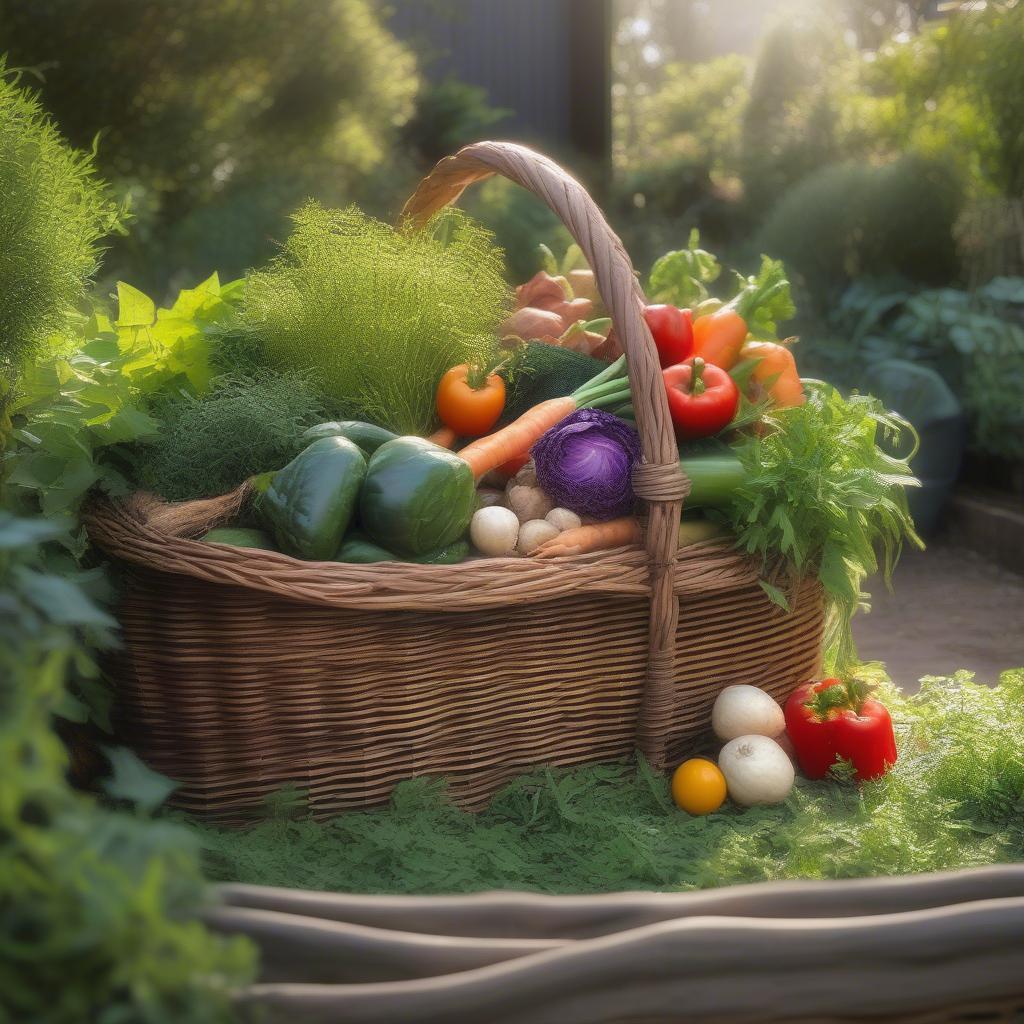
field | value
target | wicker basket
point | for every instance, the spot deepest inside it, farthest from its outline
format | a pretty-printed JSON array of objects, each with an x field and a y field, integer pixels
[{"x": 245, "y": 670}]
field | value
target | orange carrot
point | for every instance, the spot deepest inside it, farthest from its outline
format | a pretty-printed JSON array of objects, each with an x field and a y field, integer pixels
[
  {"x": 519, "y": 436},
  {"x": 618, "y": 532},
  {"x": 444, "y": 436},
  {"x": 609, "y": 388},
  {"x": 776, "y": 372},
  {"x": 596, "y": 537}
]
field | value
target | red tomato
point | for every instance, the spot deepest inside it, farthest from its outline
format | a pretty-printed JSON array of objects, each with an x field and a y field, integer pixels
[{"x": 672, "y": 331}]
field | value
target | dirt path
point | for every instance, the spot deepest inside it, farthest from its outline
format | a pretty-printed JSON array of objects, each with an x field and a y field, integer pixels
[{"x": 951, "y": 609}]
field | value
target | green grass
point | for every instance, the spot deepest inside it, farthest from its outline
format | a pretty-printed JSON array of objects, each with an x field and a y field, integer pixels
[{"x": 955, "y": 799}]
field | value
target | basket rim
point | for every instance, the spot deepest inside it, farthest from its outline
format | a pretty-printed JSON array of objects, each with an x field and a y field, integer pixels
[{"x": 145, "y": 531}]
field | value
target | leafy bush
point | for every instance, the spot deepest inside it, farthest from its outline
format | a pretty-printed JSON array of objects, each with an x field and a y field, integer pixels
[
  {"x": 53, "y": 214},
  {"x": 96, "y": 903},
  {"x": 952, "y": 801},
  {"x": 450, "y": 114},
  {"x": 377, "y": 315},
  {"x": 974, "y": 339},
  {"x": 853, "y": 219},
  {"x": 790, "y": 122},
  {"x": 73, "y": 412},
  {"x": 519, "y": 222}
]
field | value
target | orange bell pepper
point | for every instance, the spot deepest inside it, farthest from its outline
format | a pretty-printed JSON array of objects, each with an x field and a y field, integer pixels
[
  {"x": 719, "y": 336},
  {"x": 775, "y": 371}
]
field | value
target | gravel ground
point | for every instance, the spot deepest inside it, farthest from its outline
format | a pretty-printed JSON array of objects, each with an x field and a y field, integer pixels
[{"x": 950, "y": 609}]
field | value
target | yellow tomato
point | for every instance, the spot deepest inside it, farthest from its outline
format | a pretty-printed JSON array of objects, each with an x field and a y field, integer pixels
[{"x": 698, "y": 786}]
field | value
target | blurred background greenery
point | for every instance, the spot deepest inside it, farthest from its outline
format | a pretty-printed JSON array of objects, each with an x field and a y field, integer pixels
[{"x": 877, "y": 146}]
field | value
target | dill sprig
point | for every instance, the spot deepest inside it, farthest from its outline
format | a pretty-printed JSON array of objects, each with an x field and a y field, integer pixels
[{"x": 376, "y": 315}]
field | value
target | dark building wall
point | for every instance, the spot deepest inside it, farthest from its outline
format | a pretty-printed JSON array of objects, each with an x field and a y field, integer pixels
[{"x": 545, "y": 60}]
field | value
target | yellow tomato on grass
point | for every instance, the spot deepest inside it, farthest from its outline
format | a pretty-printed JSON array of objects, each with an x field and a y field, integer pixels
[{"x": 698, "y": 786}]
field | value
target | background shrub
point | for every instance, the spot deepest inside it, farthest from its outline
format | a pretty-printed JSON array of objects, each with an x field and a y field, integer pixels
[
  {"x": 202, "y": 103},
  {"x": 53, "y": 214},
  {"x": 851, "y": 219}
]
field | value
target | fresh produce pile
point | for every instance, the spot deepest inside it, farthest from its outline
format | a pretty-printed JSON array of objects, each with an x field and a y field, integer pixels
[
  {"x": 824, "y": 723},
  {"x": 534, "y": 442}
]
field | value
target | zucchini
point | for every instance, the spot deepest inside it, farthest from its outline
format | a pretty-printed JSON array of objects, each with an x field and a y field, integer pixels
[{"x": 358, "y": 548}]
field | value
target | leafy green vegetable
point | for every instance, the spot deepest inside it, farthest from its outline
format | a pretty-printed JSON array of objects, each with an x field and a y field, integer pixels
[
  {"x": 53, "y": 214},
  {"x": 951, "y": 801},
  {"x": 96, "y": 903},
  {"x": 822, "y": 491},
  {"x": 764, "y": 299},
  {"x": 681, "y": 277},
  {"x": 378, "y": 315}
]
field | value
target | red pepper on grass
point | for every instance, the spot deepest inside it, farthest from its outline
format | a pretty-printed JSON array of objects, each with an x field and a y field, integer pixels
[
  {"x": 672, "y": 330},
  {"x": 702, "y": 398},
  {"x": 830, "y": 719}
]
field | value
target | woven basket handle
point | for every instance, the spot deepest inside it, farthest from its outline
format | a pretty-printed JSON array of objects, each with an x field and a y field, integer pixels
[{"x": 658, "y": 479}]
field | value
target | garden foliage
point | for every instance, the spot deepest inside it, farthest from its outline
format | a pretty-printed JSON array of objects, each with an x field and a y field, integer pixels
[
  {"x": 70, "y": 412},
  {"x": 96, "y": 902},
  {"x": 54, "y": 212},
  {"x": 218, "y": 116},
  {"x": 852, "y": 219},
  {"x": 974, "y": 339}
]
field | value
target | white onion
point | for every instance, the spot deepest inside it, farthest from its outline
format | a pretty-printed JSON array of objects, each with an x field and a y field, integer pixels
[
  {"x": 757, "y": 770},
  {"x": 743, "y": 710}
]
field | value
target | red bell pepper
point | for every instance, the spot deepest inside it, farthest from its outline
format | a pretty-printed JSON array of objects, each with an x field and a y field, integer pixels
[
  {"x": 830, "y": 719},
  {"x": 702, "y": 398},
  {"x": 672, "y": 330}
]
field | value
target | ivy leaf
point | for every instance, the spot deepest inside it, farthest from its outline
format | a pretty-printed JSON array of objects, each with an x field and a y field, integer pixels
[{"x": 134, "y": 781}]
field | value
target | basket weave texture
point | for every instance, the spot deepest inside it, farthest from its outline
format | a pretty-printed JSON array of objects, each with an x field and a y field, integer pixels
[{"x": 245, "y": 670}]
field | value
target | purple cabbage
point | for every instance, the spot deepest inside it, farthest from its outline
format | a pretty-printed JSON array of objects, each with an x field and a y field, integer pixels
[{"x": 585, "y": 463}]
